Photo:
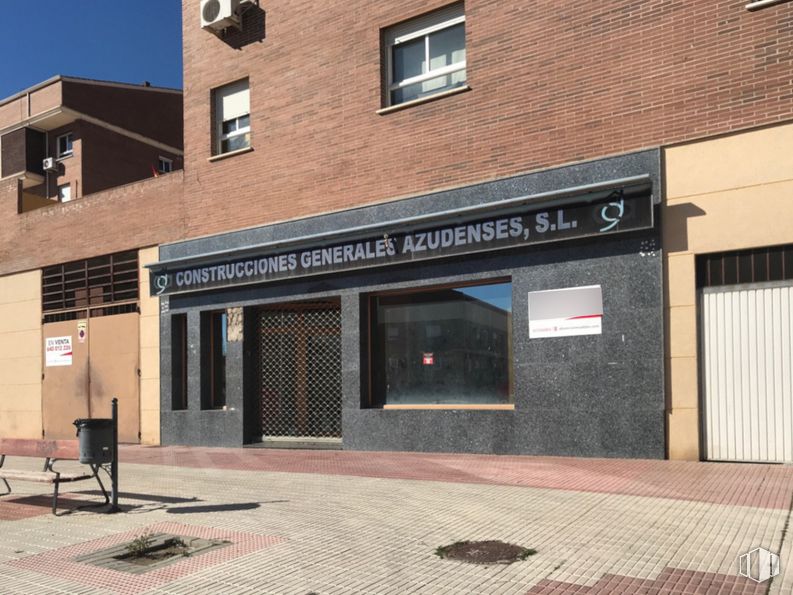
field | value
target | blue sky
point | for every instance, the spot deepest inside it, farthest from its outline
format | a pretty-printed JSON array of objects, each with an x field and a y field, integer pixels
[{"x": 117, "y": 40}]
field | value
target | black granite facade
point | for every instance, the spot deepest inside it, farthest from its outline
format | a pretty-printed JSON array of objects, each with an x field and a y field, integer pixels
[{"x": 598, "y": 396}]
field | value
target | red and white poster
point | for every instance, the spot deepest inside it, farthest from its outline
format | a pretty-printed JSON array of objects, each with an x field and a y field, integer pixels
[
  {"x": 566, "y": 312},
  {"x": 58, "y": 351}
]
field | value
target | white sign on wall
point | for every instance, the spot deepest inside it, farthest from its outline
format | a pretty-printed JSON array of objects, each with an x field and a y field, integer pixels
[
  {"x": 566, "y": 312},
  {"x": 58, "y": 351}
]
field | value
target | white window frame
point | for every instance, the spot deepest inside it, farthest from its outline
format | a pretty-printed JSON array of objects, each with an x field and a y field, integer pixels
[
  {"x": 220, "y": 118},
  {"x": 69, "y": 136},
  {"x": 164, "y": 165},
  {"x": 444, "y": 19},
  {"x": 238, "y": 131}
]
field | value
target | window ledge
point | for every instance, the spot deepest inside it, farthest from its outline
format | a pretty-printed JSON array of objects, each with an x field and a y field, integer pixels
[
  {"x": 428, "y": 98},
  {"x": 229, "y": 154},
  {"x": 483, "y": 407},
  {"x": 762, "y": 4}
]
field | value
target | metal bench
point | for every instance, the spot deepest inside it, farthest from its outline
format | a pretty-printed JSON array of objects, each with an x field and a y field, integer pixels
[{"x": 51, "y": 451}]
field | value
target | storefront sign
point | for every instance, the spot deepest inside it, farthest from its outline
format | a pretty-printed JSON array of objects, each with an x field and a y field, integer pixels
[
  {"x": 58, "y": 351},
  {"x": 566, "y": 312},
  {"x": 617, "y": 214}
]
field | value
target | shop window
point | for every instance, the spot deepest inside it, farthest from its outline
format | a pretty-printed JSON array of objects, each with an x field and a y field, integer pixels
[
  {"x": 444, "y": 346},
  {"x": 425, "y": 56},
  {"x": 64, "y": 145},
  {"x": 214, "y": 346},
  {"x": 232, "y": 120},
  {"x": 179, "y": 362}
]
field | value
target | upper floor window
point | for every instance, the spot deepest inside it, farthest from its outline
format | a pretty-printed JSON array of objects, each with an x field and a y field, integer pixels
[
  {"x": 426, "y": 55},
  {"x": 232, "y": 121},
  {"x": 64, "y": 144},
  {"x": 164, "y": 165}
]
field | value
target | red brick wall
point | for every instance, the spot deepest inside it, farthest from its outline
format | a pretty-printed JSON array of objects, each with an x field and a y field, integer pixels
[
  {"x": 150, "y": 112},
  {"x": 552, "y": 82},
  {"x": 111, "y": 159},
  {"x": 141, "y": 214},
  {"x": 13, "y": 152}
]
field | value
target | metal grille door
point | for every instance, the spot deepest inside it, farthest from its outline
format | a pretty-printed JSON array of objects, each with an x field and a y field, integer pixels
[
  {"x": 747, "y": 349},
  {"x": 300, "y": 353}
]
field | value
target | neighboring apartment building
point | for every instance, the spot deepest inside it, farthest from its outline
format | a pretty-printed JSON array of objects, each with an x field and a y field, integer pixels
[
  {"x": 439, "y": 226},
  {"x": 84, "y": 198}
]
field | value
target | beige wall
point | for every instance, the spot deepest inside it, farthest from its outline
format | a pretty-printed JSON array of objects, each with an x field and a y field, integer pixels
[
  {"x": 149, "y": 353},
  {"x": 725, "y": 194},
  {"x": 20, "y": 355}
]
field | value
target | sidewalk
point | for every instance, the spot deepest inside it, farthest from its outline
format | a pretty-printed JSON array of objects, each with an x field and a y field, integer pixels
[{"x": 332, "y": 522}]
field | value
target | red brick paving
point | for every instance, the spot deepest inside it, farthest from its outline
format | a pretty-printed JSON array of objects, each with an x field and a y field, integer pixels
[
  {"x": 60, "y": 563},
  {"x": 16, "y": 508},
  {"x": 760, "y": 486},
  {"x": 671, "y": 581}
]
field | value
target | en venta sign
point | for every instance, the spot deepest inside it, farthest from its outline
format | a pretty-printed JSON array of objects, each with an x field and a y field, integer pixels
[{"x": 611, "y": 216}]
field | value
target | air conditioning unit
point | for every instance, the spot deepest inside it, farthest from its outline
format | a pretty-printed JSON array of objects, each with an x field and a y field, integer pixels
[
  {"x": 49, "y": 164},
  {"x": 219, "y": 14}
]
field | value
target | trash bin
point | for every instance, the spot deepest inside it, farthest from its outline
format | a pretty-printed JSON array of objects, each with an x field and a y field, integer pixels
[{"x": 96, "y": 440}]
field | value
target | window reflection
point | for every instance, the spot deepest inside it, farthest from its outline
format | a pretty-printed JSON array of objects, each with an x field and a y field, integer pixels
[{"x": 445, "y": 346}]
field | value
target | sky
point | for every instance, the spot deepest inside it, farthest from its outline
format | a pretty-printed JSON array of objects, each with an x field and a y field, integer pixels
[{"x": 127, "y": 41}]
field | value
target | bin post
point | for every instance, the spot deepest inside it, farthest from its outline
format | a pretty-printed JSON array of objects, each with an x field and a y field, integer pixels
[{"x": 114, "y": 463}]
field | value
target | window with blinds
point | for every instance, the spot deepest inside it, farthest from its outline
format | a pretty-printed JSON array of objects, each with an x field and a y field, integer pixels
[
  {"x": 232, "y": 120},
  {"x": 425, "y": 55}
]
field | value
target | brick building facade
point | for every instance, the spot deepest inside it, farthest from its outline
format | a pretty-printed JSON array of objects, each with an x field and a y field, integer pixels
[
  {"x": 550, "y": 85},
  {"x": 310, "y": 130}
]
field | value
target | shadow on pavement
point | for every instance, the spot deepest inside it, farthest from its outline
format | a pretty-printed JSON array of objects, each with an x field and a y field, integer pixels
[
  {"x": 148, "y": 497},
  {"x": 28, "y": 506},
  {"x": 220, "y": 507}
]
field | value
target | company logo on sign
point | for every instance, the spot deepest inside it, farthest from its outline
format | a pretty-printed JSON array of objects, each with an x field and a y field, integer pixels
[
  {"x": 161, "y": 283},
  {"x": 613, "y": 214}
]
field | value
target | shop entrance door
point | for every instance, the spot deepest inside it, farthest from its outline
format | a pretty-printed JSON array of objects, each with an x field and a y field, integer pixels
[{"x": 300, "y": 372}]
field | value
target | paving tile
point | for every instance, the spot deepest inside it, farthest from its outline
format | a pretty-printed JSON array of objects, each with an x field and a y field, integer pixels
[{"x": 369, "y": 523}]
